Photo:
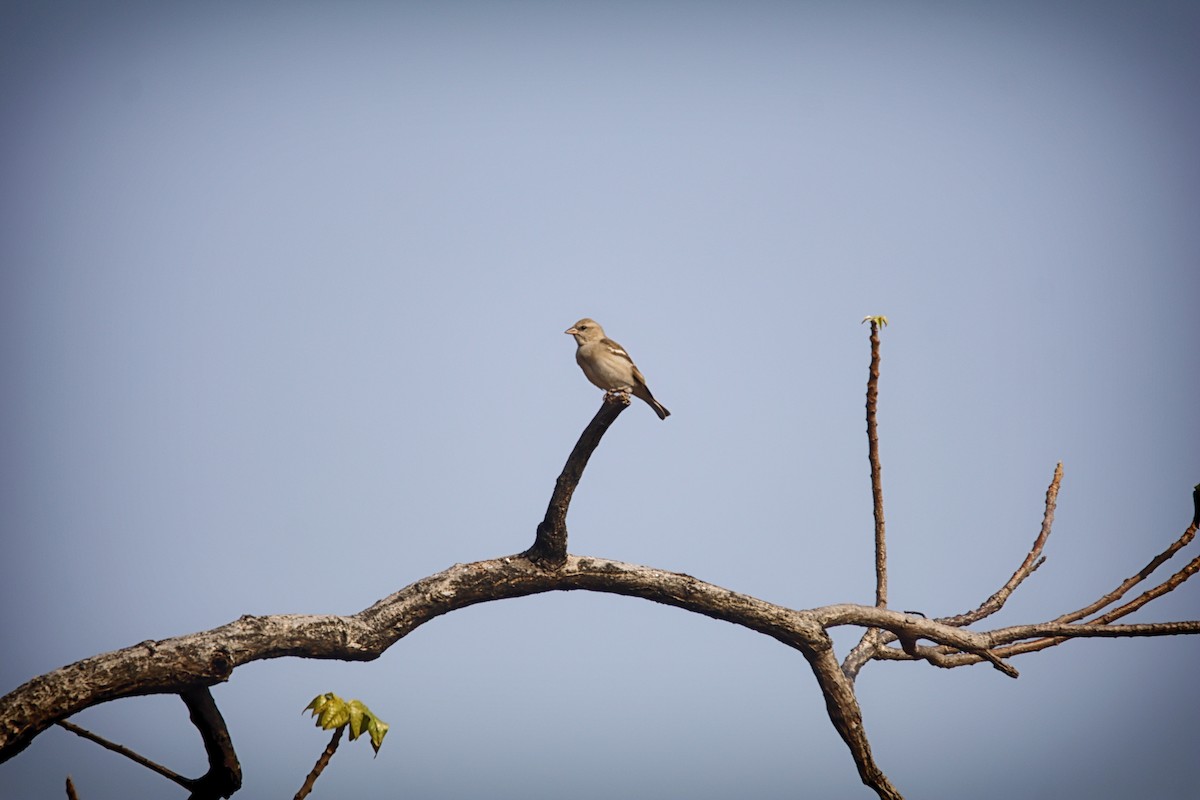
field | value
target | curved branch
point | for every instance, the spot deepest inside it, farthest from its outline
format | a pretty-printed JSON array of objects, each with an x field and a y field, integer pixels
[
  {"x": 871, "y": 647},
  {"x": 175, "y": 665},
  {"x": 550, "y": 543},
  {"x": 843, "y": 709},
  {"x": 224, "y": 776}
]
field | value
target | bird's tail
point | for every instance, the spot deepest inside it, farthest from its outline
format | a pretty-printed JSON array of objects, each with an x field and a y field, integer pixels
[{"x": 644, "y": 393}]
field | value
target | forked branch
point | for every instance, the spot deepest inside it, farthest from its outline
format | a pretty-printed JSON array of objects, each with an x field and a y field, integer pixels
[
  {"x": 186, "y": 665},
  {"x": 224, "y": 776}
]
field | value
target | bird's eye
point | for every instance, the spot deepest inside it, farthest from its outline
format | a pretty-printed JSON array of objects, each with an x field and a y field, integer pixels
[{"x": 583, "y": 327}]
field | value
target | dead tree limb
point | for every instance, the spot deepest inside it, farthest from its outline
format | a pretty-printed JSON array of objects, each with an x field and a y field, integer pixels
[
  {"x": 550, "y": 542},
  {"x": 224, "y": 776},
  {"x": 187, "y": 665}
]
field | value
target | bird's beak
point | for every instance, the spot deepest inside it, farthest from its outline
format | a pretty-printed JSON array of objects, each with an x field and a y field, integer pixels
[{"x": 571, "y": 331}]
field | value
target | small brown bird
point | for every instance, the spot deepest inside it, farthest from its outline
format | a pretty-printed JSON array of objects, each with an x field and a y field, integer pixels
[{"x": 606, "y": 364}]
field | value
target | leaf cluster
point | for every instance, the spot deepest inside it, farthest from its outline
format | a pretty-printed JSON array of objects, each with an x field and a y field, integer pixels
[{"x": 333, "y": 712}]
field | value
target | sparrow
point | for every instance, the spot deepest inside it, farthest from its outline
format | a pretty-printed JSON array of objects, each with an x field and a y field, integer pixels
[{"x": 607, "y": 365}]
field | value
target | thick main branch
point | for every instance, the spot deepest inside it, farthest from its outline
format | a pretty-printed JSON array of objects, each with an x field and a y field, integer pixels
[{"x": 172, "y": 666}]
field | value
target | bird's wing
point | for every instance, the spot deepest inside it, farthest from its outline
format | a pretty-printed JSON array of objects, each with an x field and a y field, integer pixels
[{"x": 617, "y": 350}]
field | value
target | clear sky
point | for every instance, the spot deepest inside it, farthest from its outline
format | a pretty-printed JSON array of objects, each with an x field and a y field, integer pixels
[{"x": 281, "y": 307}]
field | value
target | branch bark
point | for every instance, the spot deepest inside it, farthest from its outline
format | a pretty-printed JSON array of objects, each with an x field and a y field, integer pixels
[
  {"x": 174, "y": 665},
  {"x": 322, "y": 763},
  {"x": 881, "y": 580},
  {"x": 224, "y": 776},
  {"x": 550, "y": 542}
]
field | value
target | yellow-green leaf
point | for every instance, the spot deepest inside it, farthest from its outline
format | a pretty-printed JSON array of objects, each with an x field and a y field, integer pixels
[
  {"x": 332, "y": 712},
  {"x": 334, "y": 715},
  {"x": 357, "y": 712},
  {"x": 319, "y": 702},
  {"x": 378, "y": 729}
]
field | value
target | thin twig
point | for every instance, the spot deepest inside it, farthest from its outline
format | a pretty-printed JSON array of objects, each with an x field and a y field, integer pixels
[
  {"x": 322, "y": 762},
  {"x": 1116, "y": 594},
  {"x": 1168, "y": 585},
  {"x": 872, "y": 637},
  {"x": 125, "y": 751},
  {"x": 1032, "y": 561},
  {"x": 866, "y": 650},
  {"x": 881, "y": 581},
  {"x": 1119, "y": 592},
  {"x": 71, "y": 794}
]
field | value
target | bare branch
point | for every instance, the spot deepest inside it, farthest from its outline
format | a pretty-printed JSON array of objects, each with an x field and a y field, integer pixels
[
  {"x": 550, "y": 544},
  {"x": 875, "y": 647},
  {"x": 187, "y": 665},
  {"x": 1119, "y": 592},
  {"x": 224, "y": 776},
  {"x": 134, "y": 756},
  {"x": 71, "y": 794},
  {"x": 1032, "y": 561},
  {"x": 871, "y": 639},
  {"x": 1116, "y": 594},
  {"x": 173, "y": 665},
  {"x": 881, "y": 581},
  {"x": 844, "y": 712}
]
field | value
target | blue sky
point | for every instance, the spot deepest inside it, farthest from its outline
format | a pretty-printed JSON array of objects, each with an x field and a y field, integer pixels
[{"x": 281, "y": 307}]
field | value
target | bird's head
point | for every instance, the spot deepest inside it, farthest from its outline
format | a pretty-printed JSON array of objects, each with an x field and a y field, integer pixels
[{"x": 586, "y": 330}]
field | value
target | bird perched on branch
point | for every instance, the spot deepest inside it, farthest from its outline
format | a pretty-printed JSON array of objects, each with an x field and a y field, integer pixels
[{"x": 606, "y": 364}]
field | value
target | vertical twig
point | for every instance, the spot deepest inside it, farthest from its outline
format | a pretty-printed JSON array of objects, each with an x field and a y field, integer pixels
[
  {"x": 881, "y": 581},
  {"x": 322, "y": 762},
  {"x": 872, "y": 638},
  {"x": 71, "y": 795}
]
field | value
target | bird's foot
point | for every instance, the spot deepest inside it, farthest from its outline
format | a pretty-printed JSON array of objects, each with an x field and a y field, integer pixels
[{"x": 617, "y": 396}]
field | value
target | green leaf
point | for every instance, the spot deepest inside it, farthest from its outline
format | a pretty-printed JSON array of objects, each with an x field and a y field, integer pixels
[
  {"x": 335, "y": 714},
  {"x": 357, "y": 712},
  {"x": 332, "y": 712},
  {"x": 378, "y": 729},
  {"x": 319, "y": 702}
]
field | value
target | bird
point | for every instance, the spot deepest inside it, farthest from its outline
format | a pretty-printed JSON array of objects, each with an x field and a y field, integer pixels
[{"x": 607, "y": 365}]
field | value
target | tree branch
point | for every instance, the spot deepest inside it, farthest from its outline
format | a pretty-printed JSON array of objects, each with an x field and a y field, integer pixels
[
  {"x": 867, "y": 649},
  {"x": 132, "y": 755},
  {"x": 843, "y": 709},
  {"x": 224, "y": 776},
  {"x": 187, "y": 665},
  {"x": 322, "y": 762},
  {"x": 881, "y": 581},
  {"x": 550, "y": 543},
  {"x": 871, "y": 639},
  {"x": 1032, "y": 561}
]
